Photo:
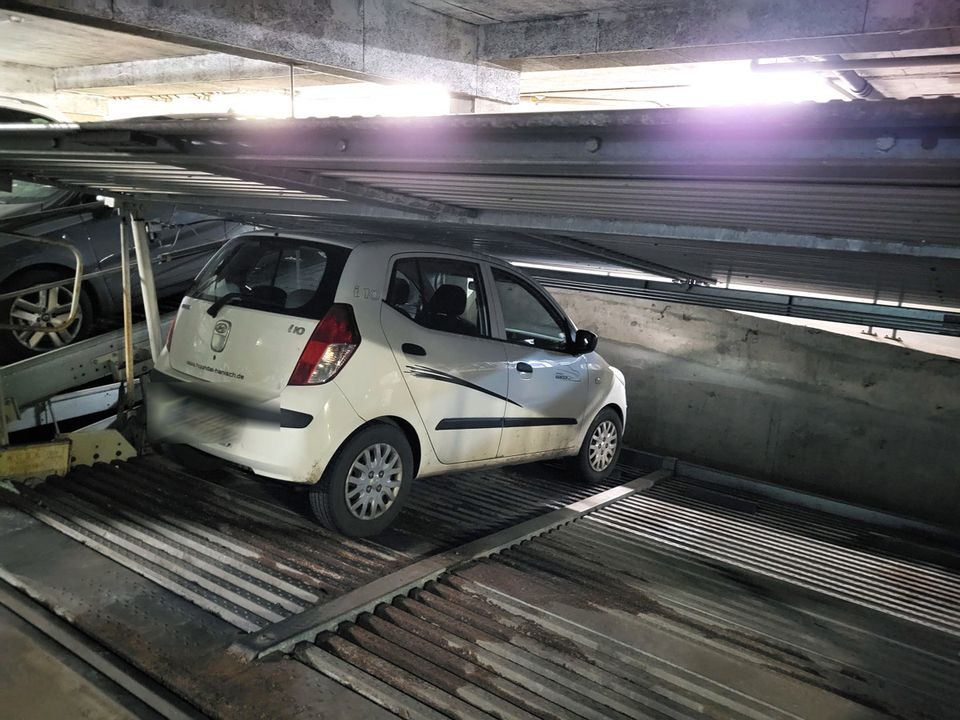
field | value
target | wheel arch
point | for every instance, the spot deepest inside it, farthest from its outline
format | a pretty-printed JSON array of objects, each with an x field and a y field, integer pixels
[
  {"x": 617, "y": 409},
  {"x": 95, "y": 292},
  {"x": 404, "y": 426}
]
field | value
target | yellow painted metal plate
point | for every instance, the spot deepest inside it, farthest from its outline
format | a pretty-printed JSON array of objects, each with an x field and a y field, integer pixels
[
  {"x": 39, "y": 460},
  {"x": 93, "y": 446}
]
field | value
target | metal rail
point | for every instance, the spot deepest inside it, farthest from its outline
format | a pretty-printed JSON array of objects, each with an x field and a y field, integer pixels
[
  {"x": 33, "y": 380},
  {"x": 284, "y": 635},
  {"x": 937, "y": 322}
]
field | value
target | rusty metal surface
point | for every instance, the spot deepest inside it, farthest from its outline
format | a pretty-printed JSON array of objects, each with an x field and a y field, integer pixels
[
  {"x": 848, "y": 560},
  {"x": 161, "y": 634},
  {"x": 282, "y": 636},
  {"x": 248, "y": 551},
  {"x": 687, "y": 600},
  {"x": 600, "y": 619}
]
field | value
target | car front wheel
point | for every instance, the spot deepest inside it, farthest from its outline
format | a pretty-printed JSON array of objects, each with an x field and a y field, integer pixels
[
  {"x": 363, "y": 489},
  {"x": 33, "y": 314},
  {"x": 601, "y": 447}
]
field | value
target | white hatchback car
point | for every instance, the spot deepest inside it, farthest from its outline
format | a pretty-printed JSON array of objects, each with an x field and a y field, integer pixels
[{"x": 356, "y": 366}]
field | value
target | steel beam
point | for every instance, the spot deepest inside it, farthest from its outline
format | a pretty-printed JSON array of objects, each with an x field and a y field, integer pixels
[
  {"x": 617, "y": 258},
  {"x": 936, "y": 322},
  {"x": 314, "y": 182},
  {"x": 247, "y": 209}
]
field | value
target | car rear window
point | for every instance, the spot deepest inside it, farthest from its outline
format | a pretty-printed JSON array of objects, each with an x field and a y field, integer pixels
[{"x": 276, "y": 274}]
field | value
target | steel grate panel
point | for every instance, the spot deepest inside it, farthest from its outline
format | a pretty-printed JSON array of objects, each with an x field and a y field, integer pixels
[
  {"x": 597, "y": 620},
  {"x": 248, "y": 551}
]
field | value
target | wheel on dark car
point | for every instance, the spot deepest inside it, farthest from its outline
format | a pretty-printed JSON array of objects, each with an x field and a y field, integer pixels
[
  {"x": 601, "y": 447},
  {"x": 363, "y": 489},
  {"x": 46, "y": 308}
]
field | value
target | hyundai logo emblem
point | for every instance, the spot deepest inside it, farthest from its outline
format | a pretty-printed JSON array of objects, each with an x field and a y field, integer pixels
[{"x": 221, "y": 331}]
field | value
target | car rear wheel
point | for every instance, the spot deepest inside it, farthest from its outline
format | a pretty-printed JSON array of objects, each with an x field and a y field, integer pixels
[
  {"x": 363, "y": 489},
  {"x": 601, "y": 447},
  {"x": 46, "y": 308}
]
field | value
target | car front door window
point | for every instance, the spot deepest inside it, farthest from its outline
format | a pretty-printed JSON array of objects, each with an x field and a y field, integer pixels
[{"x": 527, "y": 317}]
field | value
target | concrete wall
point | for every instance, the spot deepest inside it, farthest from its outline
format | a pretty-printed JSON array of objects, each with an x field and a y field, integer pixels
[{"x": 860, "y": 421}]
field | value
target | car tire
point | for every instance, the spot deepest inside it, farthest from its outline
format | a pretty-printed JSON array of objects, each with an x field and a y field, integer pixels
[
  {"x": 342, "y": 502},
  {"x": 13, "y": 349},
  {"x": 601, "y": 447}
]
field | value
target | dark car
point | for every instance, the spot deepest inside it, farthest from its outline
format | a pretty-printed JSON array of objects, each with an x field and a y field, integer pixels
[{"x": 180, "y": 243}]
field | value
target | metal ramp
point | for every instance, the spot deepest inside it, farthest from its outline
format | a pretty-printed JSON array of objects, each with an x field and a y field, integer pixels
[
  {"x": 255, "y": 559},
  {"x": 681, "y": 600},
  {"x": 39, "y": 390}
]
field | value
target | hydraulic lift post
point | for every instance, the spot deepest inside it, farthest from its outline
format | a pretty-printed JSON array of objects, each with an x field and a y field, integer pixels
[
  {"x": 148, "y": 289},
  {"x": 127, "y": 400}
]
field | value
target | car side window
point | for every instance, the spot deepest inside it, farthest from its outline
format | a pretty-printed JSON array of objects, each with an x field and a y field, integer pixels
[
  {"x": 440, "y": 294},
  {"x": 528, "y": 317}
]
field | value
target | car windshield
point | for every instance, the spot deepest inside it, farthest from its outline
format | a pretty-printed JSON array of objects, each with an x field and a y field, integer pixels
[
  {"x": 22, "y": 192},
  {"x": 275, "y": 274}
]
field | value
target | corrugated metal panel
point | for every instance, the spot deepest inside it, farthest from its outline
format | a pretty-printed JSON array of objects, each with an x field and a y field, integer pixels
[
  {"x": 905, "y": 214},
  {"x": 858, "y": 199},
  {"x": 611, "y": 617},
  {"x": 248, "y": 552}
]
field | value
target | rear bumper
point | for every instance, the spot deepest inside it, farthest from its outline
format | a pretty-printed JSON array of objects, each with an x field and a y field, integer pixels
[{"x": 314, "y": 422}]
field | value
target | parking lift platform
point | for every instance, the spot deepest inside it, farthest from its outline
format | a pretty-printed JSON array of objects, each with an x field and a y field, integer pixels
[{"x": 513, "y": 593}]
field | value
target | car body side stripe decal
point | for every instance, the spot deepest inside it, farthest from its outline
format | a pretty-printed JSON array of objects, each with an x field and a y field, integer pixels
[{"x": 425, "y": 372}]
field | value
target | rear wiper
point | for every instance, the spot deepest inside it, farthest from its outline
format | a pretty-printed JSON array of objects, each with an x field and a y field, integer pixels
[{"x": 214, "y": 309}]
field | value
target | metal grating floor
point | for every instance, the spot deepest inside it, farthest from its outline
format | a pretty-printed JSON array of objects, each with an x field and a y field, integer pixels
[
  {"x": 248, "y": 551},
  {"x": 612, "y": 616},
  {"x": 848, "y": 560}
]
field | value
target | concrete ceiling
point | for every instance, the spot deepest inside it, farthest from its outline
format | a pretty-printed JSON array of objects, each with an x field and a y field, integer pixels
[
  {"x": 552, "y": 54},
  {"x": 45, "y": 42},
  {"x": 482, "y": 12},
  {"x": 724, "y": 82},
  {"x": 907, "y": 82}
]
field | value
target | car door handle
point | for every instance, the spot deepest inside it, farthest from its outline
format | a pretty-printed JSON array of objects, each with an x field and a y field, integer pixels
[
  {"x": 411, "y": 349},
  {"x": 524, "y": 367}
]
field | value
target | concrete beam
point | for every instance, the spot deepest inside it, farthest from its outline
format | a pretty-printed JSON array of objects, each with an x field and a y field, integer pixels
[
  {"x": 373, "y": 40},
  {"x": 702, "y": 30},
  {"x": 211, "y": 67},
  {"x": 18, "y": 80}
]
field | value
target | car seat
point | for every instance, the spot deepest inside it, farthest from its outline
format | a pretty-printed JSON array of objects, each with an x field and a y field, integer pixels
[{"x": 444, "y": 309}]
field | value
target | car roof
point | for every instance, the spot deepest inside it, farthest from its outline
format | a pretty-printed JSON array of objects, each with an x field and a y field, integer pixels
[
  {"x": 29, "y": 109},
  {"x": 389, "y": 246}
]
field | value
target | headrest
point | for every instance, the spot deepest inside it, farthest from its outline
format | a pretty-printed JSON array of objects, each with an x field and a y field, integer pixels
[{"x": 448, "y": 300}]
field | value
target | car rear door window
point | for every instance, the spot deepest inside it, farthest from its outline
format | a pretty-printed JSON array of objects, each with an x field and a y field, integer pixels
[
  {"x": 283, "y": 275},
  {"x": 528, "y": 317},
  {"x": 440, "y": 294}
]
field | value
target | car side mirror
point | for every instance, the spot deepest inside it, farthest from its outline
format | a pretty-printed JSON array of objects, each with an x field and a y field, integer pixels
[{"x": 584, "y": 342}]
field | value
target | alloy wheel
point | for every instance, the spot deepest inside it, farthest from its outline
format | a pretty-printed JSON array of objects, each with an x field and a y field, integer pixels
[
  {"x": 46, "y": 308},
  {"x": 603, "y": 445},
  {"x": 373, "y": 483}
]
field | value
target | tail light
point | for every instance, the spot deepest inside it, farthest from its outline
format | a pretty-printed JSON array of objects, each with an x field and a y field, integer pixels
[
  {"x": 332, "y": 343},
  {"x": 166, "y": 343}
]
